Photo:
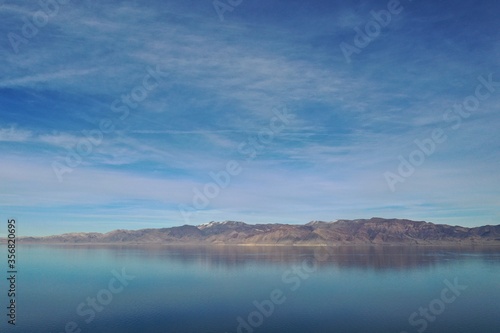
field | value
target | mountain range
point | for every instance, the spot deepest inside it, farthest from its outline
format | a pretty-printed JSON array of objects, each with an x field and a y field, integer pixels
[{"x": 361, "y": 231}]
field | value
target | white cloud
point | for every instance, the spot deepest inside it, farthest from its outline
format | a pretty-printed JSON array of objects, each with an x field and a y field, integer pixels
[
  {"x": 31, "y": 80},
  {"x": 12, "y": 134},
  {"x": 61, "y": 140}
]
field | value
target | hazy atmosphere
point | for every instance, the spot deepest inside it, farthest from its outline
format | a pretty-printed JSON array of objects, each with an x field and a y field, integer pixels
[{"x": 129, "y": 115}]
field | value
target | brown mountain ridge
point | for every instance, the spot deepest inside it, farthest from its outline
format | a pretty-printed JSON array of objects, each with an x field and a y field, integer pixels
[{"x": 362, "y": 231}]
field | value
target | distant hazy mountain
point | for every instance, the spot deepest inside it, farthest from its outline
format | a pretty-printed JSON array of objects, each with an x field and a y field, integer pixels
[{"x": 371, "y": 231}]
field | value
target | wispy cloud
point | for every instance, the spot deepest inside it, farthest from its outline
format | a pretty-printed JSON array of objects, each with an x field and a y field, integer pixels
[
  {"x": 12, "y": 134},
  {"x": 217, "y": 87},
  {"x": 33, "y": 80}
]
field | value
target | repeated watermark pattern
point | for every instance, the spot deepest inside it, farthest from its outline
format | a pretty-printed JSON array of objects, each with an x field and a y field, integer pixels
[
  {"x": 34, "y": 23},
  {"x": 372, "y": 29},
  {"x": 420, "y": 319},
  {"x": 89, "y": 309},
  {"x": 453, "y": 117},
  {"x": 249, "y": 150},
  {"x": 222, "y": 6},
  {"x": 292, "y": 279},
  {"x": 92, "y": 139}
]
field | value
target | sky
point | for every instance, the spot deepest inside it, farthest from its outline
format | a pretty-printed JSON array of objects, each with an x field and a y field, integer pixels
[{"x": 151, "y": 114}]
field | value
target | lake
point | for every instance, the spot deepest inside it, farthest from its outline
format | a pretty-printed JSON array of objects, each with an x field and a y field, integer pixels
[{"x": 160, "y": 289}]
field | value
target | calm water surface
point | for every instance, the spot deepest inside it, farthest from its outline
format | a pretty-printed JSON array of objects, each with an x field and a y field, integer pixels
[{"x": 112, "y": 289}]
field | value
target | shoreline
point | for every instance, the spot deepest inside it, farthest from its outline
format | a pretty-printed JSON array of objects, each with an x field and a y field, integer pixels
[{"x": 440, "y": 244}]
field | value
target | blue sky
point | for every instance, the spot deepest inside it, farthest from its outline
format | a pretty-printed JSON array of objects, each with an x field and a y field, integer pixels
[{"x": 114, "y": 114}]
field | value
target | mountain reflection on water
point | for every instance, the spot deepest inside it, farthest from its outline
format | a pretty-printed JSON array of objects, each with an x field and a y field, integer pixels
[{"x": 363, "y": 257}]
